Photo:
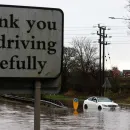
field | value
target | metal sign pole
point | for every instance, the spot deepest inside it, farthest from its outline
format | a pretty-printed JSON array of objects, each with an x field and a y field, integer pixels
[{"x": 37, "y": 105}]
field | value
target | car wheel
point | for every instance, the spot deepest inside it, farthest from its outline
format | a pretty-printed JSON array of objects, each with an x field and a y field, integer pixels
[
  {"x": 99, "y": 108},
  {"x": 85, "y": 106}
]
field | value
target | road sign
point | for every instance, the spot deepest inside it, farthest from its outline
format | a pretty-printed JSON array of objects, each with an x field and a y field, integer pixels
[
  {"x": 31, "y": 42},
  {"x": 75, "y": 103},
  {"x": 23, "y": 86},
  {"x": 31, "y": 47},
  {"x": 107, "y": 83},
  {"x": 75, "y": 106}
]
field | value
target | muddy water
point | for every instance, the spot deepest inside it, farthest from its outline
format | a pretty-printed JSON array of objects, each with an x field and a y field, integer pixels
[{"x": 20, "y": 116}]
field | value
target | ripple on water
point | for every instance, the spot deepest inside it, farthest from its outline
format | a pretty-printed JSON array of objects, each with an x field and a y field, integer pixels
[{"x": 15, "y": 116}]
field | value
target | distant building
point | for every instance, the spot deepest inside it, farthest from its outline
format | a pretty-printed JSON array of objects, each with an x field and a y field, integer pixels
[
  {"x": 116, "y": 73},
  {"x": 126, "y": 73}
]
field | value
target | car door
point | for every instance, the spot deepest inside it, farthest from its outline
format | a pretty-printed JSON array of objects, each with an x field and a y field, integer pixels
[
  {"x": 94, "y": 103},
  {"x": 91, "y": 102}
]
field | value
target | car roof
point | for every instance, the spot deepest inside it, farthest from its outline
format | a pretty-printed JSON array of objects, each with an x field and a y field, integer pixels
[{"x": 97, "y": 97}]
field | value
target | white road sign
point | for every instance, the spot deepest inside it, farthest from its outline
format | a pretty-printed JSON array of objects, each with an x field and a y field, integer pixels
[
  {"x": 31, "y": 41},
  {"x": 107, "y": 83}
]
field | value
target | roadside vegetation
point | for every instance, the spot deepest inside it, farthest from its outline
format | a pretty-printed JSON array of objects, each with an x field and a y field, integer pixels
[{"x": 80, "y": 75}]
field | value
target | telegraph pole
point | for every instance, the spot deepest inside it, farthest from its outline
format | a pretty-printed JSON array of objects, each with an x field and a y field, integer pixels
[
  {"x": 102, "y": 37},
  {"x": 100, "y": 77}
]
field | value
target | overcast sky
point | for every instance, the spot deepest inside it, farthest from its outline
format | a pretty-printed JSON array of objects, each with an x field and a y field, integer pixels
[{"x": 80, "y": 17}]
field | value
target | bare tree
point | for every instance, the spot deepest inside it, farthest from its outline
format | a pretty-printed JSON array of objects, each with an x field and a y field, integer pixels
[
  {"x": 127, "y": 18},
  {"x": 80, "y": 66},
  {"x": 68, "y": 58},
  {"x": 86, "y": 54},
  {"x": 128, "y": 5}
]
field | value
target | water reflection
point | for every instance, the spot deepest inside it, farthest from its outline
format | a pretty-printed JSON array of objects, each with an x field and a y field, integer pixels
[
  {"x": 14, "y": 115},
  {"x": 19, "y": 116}
]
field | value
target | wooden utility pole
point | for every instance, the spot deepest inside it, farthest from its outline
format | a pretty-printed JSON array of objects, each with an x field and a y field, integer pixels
[
  {"x": 103, "y": 77},
  {"x": 102, "y": 37}
]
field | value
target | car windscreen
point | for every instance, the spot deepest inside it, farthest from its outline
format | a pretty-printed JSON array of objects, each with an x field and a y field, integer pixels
[{"x": 104, "y": 100}]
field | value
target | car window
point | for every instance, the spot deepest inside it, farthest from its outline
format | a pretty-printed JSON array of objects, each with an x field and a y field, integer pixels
[
  {"x": 90, "y": 99},
  {"x": 102, "y": 99},
  {"x": 94, "y": 99}
]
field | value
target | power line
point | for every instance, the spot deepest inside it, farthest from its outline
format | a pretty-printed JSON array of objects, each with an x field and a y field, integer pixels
[
  {"x": 119, "y": 43},
  {"x": 121, "y": 36},
  {"x": 89, "y": 34},
  {"x": 109, "y": 57},
  {"x": 92, "y": 26},
  {"x": 80, "y": 29},
  {"x": 96, "y": 36},
  {"x": 97, "y": 44}
]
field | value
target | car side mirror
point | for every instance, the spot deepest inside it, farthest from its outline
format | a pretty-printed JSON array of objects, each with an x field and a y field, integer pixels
[{"x": 95, "y": 100}]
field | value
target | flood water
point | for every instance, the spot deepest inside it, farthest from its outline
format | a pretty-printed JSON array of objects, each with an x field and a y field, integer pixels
[{"x": 20, "y": 116}]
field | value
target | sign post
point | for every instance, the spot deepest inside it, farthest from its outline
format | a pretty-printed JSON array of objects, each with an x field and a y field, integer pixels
[
  {"x": 75, "y": 105},
  {"x": 31, "y": 49},
  {"x": 37, "y": 105}
]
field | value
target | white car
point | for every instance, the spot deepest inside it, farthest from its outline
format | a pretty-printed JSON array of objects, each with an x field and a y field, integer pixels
[{"x": 99, "y": 103}]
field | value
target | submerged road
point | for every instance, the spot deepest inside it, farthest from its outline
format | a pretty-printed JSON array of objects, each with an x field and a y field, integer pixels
[{"x": 20, "y": 116}]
